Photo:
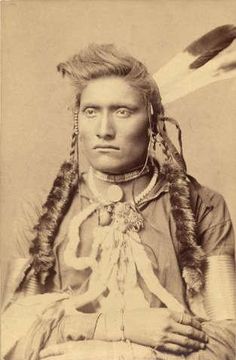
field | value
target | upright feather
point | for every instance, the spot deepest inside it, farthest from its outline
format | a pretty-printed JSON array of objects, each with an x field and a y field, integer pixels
[{"x": 208, "y": 59}]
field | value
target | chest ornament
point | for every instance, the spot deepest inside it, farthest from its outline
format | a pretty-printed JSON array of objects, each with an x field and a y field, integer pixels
[
  {"x": 123, "y": 216},
  {"x": 118, "y": 256}
]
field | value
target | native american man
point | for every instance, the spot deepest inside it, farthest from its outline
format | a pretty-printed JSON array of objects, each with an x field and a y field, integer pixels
[{"x": 132, "y": 259}]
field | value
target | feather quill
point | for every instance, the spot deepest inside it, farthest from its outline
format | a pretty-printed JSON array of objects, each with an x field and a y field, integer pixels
[{"x": 208, "y": 59}]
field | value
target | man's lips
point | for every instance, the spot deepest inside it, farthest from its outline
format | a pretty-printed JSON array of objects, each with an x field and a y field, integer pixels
[{"x": 106, "y": 147}]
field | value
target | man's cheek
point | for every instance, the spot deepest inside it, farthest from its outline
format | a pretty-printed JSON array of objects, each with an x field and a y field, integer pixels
[{"x": 86, "y": 140}]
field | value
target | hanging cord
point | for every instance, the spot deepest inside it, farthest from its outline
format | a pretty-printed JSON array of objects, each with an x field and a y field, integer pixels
[
  {"x": 175, "y": 122},
  {"x": 177, "y": 155}
]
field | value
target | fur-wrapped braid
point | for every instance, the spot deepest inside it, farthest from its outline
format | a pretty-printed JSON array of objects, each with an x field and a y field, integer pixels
[
  {"x": 191, "y": 256},
  {"x": 54, "y": 209}
]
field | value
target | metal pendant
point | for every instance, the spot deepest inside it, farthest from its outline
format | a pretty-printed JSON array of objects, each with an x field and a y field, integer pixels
[{"x": 114, "y": 193}]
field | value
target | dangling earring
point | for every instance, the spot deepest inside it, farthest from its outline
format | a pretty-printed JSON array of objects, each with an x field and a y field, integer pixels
[
  {"x": 175, "y": 155},
  {"x": 76, "y": 122},
  {"x": 74, "y": 139},
  {"x": 169, "y": 153},
  {"x": 158, "y": 149}
]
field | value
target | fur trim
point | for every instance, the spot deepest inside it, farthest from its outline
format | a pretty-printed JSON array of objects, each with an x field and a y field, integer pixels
[
  {"x": 54, "y": 209},
  {"x": 191, "y": 256}
]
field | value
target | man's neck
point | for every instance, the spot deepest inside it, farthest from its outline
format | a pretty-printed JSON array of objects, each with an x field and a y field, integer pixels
[{"x": 130, "y": 188}]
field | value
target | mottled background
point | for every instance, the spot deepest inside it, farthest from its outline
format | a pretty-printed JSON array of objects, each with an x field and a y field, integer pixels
[{"x": 37, "y": 121}]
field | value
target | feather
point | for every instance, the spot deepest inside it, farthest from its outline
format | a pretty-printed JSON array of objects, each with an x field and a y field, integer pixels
[
  {"x": 209, "y": 59},
  {"x": 210, "y": 44}
]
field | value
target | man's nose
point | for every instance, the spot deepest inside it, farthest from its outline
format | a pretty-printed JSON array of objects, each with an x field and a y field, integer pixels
[{"x": 105, "y": 128}]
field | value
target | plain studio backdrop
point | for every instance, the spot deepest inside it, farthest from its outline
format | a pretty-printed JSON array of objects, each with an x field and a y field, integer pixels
[{"x": 36, "y": 101}]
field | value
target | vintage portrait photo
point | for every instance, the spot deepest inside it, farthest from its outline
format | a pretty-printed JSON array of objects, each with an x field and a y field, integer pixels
[{"x": 118, "y": 179}]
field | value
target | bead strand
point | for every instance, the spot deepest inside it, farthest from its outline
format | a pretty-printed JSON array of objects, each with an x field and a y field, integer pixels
[{"x": 137, "y": 200}]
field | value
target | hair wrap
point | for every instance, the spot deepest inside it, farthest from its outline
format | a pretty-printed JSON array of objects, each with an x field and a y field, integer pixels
[
  {"x": 54, "y": 209},
  {"x": 191, "y": 256}
]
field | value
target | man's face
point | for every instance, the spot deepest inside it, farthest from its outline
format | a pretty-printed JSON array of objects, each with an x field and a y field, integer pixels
[{"x": 113, "y": 125}]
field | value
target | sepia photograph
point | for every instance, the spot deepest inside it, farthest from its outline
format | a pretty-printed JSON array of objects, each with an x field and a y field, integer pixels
[{"x": 118, "y": 179}]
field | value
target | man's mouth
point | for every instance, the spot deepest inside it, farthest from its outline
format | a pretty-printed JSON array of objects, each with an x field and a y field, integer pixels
[{"x": 106, "y": 147}]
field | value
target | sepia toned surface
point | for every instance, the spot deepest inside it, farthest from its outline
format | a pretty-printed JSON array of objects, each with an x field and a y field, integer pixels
[{"x": 37, "y": 120}]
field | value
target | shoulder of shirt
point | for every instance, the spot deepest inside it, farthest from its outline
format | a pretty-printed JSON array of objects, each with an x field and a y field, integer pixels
[{"x": 207, "y": 196}]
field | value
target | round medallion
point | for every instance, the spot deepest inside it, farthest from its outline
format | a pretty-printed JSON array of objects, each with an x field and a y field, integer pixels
[{"x": 114, "y": 193}]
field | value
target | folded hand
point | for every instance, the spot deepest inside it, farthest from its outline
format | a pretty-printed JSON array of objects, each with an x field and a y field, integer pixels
[{"x": 166, "y": 331}]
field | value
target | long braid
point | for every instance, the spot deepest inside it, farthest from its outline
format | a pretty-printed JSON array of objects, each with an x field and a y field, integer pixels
[
  {"x": 74, "y": 138},
  {"x": 58, "y": 202},
  {"x": 54, "y": 210},
  {"x": 191, "y": 256}
]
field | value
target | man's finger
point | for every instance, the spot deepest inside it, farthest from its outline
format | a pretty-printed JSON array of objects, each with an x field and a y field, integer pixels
[
  {"x": 174, "y": 349},
  {"x": 186, "y": 342},
  {"x": 186, "y": 319},
  {"x": 190, "y": 332}
]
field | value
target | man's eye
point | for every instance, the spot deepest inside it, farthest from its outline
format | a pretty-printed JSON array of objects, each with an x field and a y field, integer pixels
[
  {"x": 123, "y": 112},
  {"x": 90, "y": 112}
]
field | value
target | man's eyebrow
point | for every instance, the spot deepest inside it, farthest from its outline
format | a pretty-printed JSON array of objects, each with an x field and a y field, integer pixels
[
  {"x": 124, "y": 105},
  {"x": 90, "y": 105},
  {"x": 114, "y": 106}
]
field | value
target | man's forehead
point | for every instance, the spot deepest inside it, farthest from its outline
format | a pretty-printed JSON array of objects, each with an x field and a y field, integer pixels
[{"x": 110, "y": 91}]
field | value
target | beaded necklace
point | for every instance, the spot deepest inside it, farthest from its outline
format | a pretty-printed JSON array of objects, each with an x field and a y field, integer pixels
[
  {"x": 121, "y": 178},
  {"x": 115, "y": 193}
]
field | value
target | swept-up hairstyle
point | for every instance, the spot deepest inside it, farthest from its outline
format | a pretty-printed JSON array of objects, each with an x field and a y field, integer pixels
[{"x": 95, "y": 62}]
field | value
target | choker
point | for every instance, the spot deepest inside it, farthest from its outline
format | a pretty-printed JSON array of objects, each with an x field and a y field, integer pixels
[
  {"x": 115, "y": 192},
  {"x": 120, "y": 178}
]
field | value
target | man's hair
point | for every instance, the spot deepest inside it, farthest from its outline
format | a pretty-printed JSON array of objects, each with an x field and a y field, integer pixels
[
  {"x": 105, "y": 60},
  {"x": 95, "y": 62}
]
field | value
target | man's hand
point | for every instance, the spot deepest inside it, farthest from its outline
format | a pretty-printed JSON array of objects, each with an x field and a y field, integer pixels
[{"x": 166, "y": 331}]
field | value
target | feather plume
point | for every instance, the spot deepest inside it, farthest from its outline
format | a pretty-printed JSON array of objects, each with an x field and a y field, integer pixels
[{"x": 208, "y": 59}]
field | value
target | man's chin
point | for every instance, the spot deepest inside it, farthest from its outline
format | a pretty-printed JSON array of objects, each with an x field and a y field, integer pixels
[
  {"x": 113, "y": 165},
  {"x": 109, "y": 168}
]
